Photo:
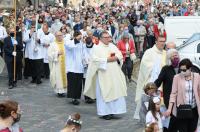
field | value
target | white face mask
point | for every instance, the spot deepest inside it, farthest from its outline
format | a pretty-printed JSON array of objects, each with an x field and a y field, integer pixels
[{"x": 187, "y": 73}]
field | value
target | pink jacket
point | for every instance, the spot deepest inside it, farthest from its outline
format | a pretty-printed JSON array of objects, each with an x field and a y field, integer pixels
[{"x": 178, "y": 91}]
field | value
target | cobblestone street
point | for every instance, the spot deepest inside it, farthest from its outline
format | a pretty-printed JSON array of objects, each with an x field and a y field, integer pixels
[{"x": 43, "y": 111}]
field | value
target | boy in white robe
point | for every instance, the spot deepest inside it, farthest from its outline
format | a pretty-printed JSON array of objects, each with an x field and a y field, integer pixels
[{"x": 46, "y": 39}]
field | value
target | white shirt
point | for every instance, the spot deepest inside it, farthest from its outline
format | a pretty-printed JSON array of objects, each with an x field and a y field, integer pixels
[
  {"x": 74, "y": 57},
  {"x": 150, "y": 119},
  {"x": 31, "y": 45},
  {"x": 46, "y": 40}
]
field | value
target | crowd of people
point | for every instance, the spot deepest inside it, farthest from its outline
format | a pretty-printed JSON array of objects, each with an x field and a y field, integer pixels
[{"x": 93, "y": 50}]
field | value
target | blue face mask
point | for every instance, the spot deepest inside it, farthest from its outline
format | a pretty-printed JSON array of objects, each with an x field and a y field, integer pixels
[{"x": 126, "y": 31}]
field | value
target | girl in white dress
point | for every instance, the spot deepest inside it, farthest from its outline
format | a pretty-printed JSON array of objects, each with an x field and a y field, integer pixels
[{"x": 154, "y": 114}]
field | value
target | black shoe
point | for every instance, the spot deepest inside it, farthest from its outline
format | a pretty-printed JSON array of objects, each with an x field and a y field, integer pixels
[
  {"x": 106, "y": 117},
  {"x": 61, "y": 95},
  {"x": 10, "y": 87},
  {"x": 89, "y": 101},
  {"x": 75, "y": 102},
  {"x": 25, "y": 77},
  {"x": 15, "y": 85},
  {"x": 38, "y": 82},
  {"x": 33, "y": 81},
  {"x": 114, "y": 116}
]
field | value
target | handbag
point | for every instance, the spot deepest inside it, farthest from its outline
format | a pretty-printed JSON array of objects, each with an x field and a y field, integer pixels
[{"x": 185, "y": 111}]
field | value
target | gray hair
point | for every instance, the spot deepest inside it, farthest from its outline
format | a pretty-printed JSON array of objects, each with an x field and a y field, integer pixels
[
  {"x": 102, "y": 33},
  {"x": 170, "y": 52}
]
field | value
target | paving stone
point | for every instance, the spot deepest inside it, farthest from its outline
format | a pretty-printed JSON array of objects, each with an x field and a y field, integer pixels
[{"x": 43, "y": 111}]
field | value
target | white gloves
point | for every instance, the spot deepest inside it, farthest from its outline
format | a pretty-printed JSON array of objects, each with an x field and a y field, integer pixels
[{"x": 14, "y": 53}]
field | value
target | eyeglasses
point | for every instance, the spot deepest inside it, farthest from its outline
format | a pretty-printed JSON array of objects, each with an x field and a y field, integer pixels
[{"x": 183, "y": 70}]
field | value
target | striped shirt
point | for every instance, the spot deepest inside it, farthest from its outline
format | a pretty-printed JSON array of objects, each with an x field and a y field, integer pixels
[{"x": 189, "y": 94}]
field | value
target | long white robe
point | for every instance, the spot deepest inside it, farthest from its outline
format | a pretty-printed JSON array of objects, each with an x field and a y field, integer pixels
[
  {"x": 105, "y": 81},
  {"x": 149, "y": 69},
  {"x": 55, "y": 69},
  {"x": 112, "y": 107}
]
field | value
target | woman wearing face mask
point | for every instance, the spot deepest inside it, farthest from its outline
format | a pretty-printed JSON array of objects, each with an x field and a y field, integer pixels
[
  {"x": 185, "y": 93},
  {"x": 73, "y": 123},
  {"x": 127, "y": 48},
  {"x": 166, "y": 78},
  {"x": 9, "y": 116}
]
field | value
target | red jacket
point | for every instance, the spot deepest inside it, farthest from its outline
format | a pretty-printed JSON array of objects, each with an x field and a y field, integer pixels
[
  {"x": 156, "y": 31},
  {"x": 122, "y": 47}
]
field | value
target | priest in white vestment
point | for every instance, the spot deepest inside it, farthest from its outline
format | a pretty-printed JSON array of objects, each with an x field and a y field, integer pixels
[
  {"x": 56, "y": 55},
  {"x": 105, "y": 80},
  {"x": 151, "y": 64}
]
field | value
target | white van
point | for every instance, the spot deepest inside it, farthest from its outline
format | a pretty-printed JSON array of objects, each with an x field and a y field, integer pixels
[
  {"x": 180, "y": 28},
  {"x": 191, "y": 49}
]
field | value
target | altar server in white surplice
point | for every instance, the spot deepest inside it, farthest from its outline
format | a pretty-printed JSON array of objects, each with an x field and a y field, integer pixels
[
  {"x": 74, "y": 67},
  {"x": 35, "y": 53},
  {"x": 105, "y": 80},
  {"x": 46, "y": 39}
]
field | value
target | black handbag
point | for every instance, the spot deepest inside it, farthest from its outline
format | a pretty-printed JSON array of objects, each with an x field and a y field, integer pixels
[{"x": 185, "y": 111}]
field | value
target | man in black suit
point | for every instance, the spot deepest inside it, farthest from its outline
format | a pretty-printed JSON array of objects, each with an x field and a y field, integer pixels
[{"x": 9, "y": 43}]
